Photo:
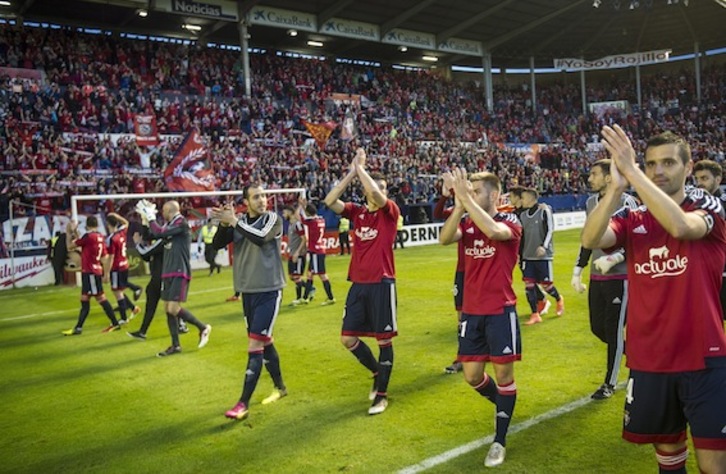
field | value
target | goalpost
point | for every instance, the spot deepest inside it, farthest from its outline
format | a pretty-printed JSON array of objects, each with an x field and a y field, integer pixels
[{"x": 170, "y": 196}]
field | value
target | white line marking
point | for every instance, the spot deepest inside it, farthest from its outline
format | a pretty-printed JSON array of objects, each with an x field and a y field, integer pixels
[
  {"x": 28, "y": 316},
  {"x": 476, "y": 444}
]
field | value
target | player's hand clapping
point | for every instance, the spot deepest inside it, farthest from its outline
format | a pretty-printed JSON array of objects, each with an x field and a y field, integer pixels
[
  {"x": 448, "y": 183},
  {"x": 225, "y": 214},
  {"x": 462, "y": 186},
  {"x": 621, "y": 151}
]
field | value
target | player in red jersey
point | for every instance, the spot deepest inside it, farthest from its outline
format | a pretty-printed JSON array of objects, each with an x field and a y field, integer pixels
[
  {"x": 93, "y": 249},
  {"x": 117, "y": 272},
  {"x": 370, "y": 308},
  {"x": 314, "y": 236},
  {"x": 675, "y": 346},
  {"x": 489, "y": 328}
]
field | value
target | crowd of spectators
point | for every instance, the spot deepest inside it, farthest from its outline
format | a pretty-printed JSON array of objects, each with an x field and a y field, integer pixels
[{"x": 56, "y": 128}]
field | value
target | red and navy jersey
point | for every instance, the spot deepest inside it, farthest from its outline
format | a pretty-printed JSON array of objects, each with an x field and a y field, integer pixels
[
  {"x": 674, "y": 311},
  {"x": 117, "y": 249},
  {"x": 488, "y": 267},
  {"x": 93, "y": 248},
  {"x": 373, "y": 238},
  {"x": 315, "y": 234}
]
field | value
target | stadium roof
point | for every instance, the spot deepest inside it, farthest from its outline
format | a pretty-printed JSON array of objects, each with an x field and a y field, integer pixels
[{"x": 512, "y": 30}]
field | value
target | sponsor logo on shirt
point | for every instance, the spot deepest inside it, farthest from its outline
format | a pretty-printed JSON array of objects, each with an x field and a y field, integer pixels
[
  {"x": 660, "y": 265},
  {"x": 479, "y": 250},
  {"x": 366, "y": 233}
]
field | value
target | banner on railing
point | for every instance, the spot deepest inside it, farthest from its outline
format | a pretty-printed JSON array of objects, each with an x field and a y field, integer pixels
[{"x": 613, "y": 62}]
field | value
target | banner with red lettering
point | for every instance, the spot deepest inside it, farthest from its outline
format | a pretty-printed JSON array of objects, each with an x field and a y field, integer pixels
[
  {"x": 145, "y": 129},
  {"x": 191, "y": 169},
  {"x": 320, "y": 131}
]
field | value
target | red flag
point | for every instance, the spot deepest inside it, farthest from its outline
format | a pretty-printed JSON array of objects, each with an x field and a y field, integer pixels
[
  {"x": 145, "y": 128},
  {"x": 191, "y": 168},
  {"x": 320, "y": 131}
]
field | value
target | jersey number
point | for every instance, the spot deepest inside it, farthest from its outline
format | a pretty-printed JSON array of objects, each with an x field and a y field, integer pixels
[{"x": 462, "y": 328}]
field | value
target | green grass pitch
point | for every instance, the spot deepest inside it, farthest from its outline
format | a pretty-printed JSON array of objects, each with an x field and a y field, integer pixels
[{"x": 105, "y": 403}]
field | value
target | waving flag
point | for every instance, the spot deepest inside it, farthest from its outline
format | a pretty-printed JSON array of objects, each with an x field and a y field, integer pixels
[
  {"x": 320, "y": 131},
  {"x": 191, "y": 168}
]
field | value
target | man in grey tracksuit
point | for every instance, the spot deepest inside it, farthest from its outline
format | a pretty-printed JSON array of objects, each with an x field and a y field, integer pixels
[
  {"x": 258, "y": 274},
  {"x": 608, "y": 292}
]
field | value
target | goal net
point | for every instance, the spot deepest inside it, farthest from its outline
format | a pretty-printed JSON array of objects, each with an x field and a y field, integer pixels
[{"x": 195, "y": 206}]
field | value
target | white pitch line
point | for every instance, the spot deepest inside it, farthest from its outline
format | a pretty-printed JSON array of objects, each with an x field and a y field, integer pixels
[
  {"x": 49, "y": 313},
  {"x": 476, "y": 444},
  {"x": 28, "y": 316}
]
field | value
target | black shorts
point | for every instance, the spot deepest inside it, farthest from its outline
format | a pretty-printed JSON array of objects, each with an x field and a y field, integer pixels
[
  {"x": 261, "y": 310},
  {"x": 494, "y": 338},
  {"x": 317, "y": 264},
  {"x": 119, "y": 280},
  {"x": 370, "y": 310},
  {"x": 659, "y": 405},
  {"x": 458, "y": 290},
  {"x": 539, "y": 271},
  {"x": 91, "y": 284},
  {"x": 174, "y": 289},
  {"x": 296, "y": 266}
]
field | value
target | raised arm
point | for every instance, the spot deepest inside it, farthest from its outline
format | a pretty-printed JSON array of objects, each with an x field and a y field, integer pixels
[
  {"x": 124, "y": 222},
  {"x": 369, "y": 184},
  {"x": 174, "y": 227},
  {"x": 596, "y": 234},
  {"x": 148, "y": 251},
  {"x": 332, "y": 199},
  {"x": 486, "y": 223},
  {"x": 71, "y": 235},
  {"x": 223, "y": 237},
  {"x": 450, "y": 231}
]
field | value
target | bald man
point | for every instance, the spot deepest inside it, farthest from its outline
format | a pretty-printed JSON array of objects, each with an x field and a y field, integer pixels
[{"x": 176, "y": 274}]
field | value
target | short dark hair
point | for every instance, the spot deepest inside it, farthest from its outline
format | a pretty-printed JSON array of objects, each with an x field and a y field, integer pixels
[
  {"x": 91, "y": 221},
  {"x": 710, "y": 166},
  {"x": 311, "y": 209},
  {"x": 603, "y": 164},
  {"x": 112, "y": 220},
  {"x": 246, "y": 191},
  {"x": 670, "y": 138}
]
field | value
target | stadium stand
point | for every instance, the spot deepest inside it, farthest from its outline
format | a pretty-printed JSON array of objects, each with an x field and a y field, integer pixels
[{"x": 415, "y": 124}]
